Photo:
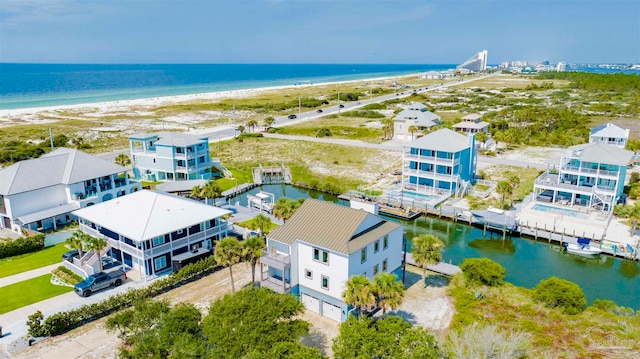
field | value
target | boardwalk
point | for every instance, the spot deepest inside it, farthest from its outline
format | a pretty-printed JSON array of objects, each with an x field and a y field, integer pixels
[{"x": 442, "y": 267}]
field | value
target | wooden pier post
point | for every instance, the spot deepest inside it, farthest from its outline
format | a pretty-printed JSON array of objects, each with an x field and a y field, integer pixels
[
  {"x": 536, "y": 235},
  {"x": 484, "y": 229},
  {"x": 455, "y": 218}
]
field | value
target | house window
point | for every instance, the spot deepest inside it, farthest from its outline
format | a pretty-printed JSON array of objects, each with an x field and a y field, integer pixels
[
  {"x": 316, "y": 254},
  {"x": 325, "y": 282},
  {"x": 384, "y": 265},
  {"x": 385, "y": 242},
  {"x": 160, "y": 262},
  {"x": 376, "y": 246},
  {"x": 376, "y": 269},
  {"x": 363, "y": 255},
  {"x": 205, "y": 225},
  {"x": 158, "y": 241},
  {"x": 325, "y": 257},
  {"x": 308, "y": 274}
]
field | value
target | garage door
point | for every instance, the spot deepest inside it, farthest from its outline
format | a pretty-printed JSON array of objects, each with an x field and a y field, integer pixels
[
  {"x": 312, "y": 303},
  {"x": 331, "y": 311}
]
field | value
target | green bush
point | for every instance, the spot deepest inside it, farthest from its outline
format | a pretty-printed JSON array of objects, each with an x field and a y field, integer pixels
[
  {"x": 62, "y": 322},
  {"x": 364, "y": 114},
  {"x": 323, "y": 132},
  {"x": 272, "y": 130},
  {"x": 483, "y": 271},
  {"x": 252, "y": 134},
  {"x": 21, "y": 246},
  {"x": 559, "y": 293},
  {"x": 34, "y": 322},
  {"x": 67, "y": 276}
]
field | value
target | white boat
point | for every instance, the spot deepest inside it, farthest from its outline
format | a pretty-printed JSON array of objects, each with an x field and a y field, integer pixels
[{"x": 581, "y": 248}]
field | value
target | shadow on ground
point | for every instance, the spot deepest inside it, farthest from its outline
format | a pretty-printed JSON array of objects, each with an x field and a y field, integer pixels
[
  {"x": 437, "y": 280},
  {"x": 411, "y": 278},
  {"x": 409, "y": 317}
]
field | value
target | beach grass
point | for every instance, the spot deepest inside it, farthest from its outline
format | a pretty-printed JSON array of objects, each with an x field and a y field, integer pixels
[
  {"x": 353, "y": 128},
  {"x": 26, "y": 262},
  {"x": 30, "y": 291}
]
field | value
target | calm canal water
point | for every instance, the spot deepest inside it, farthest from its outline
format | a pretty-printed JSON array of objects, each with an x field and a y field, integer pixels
[{"x": 527, "y": 262}]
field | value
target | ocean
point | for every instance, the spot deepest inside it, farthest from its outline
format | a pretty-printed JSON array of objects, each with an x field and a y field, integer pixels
[{"x": 39, "y": 85}]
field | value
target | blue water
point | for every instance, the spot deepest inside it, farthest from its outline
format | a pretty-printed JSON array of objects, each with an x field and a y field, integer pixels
[
  {"x": 36, "y": 85},
  {"x": 564, "y": 211}
]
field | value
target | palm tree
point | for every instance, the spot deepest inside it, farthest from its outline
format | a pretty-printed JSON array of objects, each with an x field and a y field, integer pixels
[
  {"x": 227, "y": 253},
  {"x": 634, "y": 214},
  {"x": 426, "y": 250},
  {"x": 251, "y": 124},
  {"x": 412, "y": 130},
  {"x": 196, "y": 192},
  {"x": 77, "y": 241},
  {"x": 269, "y": 121},
  {"x": 284, "y": 208},
  {"x": 388, "y": 291},
  {"x": 504, "y": 188},
  {"x": 514, "y": 181},
  {"x": 97, "y": 245},
  {"x": 211, "y": 190},
  {"x": 388, "y": 127},
  {"x": 251, "y": 253},
  {"x": 123, "y": 160},
  {"x": 481, "y": 137},
  {"x": 261, "y": 221},
  {"x": 359, "y": 293},
  {"x": 241, "y": 128}
]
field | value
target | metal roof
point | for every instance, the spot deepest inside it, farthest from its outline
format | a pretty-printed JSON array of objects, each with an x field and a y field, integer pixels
[
  {"x": 147, "y": 214},
  {"x": 609, "y": 130},
  {"x": 166, "y": 138},
  {"x": 331, "y": 226},
  {"x": 472, "y": 117},
  {"x": 62, "y": 166},
  {"x": 603, "y": 153},
  {"x": 469, "y": 124},
  {"x": 422, "y": 118},
  {"x": 47, "y": 213},
  {"x": 441, "y": 140},
  {"x": 180, "y": 186}
]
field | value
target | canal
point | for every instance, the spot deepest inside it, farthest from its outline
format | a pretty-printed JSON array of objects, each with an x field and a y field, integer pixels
[{"x": 527, "y": 262}]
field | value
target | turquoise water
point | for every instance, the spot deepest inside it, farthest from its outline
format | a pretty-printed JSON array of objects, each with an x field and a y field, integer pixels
[
  {"x": 35, "y": 85},
  {"x": 563, "y": 211},
  {"x": 527, "y": 262}
]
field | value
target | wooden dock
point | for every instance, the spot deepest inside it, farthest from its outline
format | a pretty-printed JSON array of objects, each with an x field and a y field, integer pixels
[
  {"x": 232, "y": 192},
  {"x": 271, "y": 175},
  {"x": 399, "y": 213},
  {"x": 441, "y": 268}
]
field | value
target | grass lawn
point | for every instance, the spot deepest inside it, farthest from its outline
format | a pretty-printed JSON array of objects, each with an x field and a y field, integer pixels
[
  {"x": 249, "y": 224},
  {"x": 28, "y": 292},
  {"x": 25, "y": 262}
]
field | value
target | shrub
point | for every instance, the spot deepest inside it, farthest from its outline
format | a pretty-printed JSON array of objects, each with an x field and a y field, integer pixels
[
  {"x": 252, "y": 134},
  {"x": 483, "y": 271},
  {"x": 21, "y": 246},
  {"x": 34, "y": 322},
  {"x": 67, "y": 276},
  {"x": 323, "y": 132},
  {"x": 272, "y": 130},
  {"x": 62, "y": 322},
  {"x": 559, "y": 293}
]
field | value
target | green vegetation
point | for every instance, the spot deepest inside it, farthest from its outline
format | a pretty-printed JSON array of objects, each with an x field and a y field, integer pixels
[
  {"x": 22, "y": 245},
  {"x": 22, "y": 263},
  {"x": 559, "y": 293},
  {"x": 30, "y": 291},
  {"x": 389, "y": 337},
  {"x": 285, "y": 207},
  {"x": 593, "y": 82},
  {"x": 64, "y": 274},
  {"x": 350, "y": 125},
  {"x": 255, "y": 225},
  {"x": 426, "y": 250},
  {"x": 483, "y": 271}
]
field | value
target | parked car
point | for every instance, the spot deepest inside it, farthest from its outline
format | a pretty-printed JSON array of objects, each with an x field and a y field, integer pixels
[
  {"x": 70, "y": 255},
  {"x": 341, "y": 106},
  {"x": 99, "y": 281},
  {"x": 319, "y": 110},
  {"x": 291, "y": 117}
]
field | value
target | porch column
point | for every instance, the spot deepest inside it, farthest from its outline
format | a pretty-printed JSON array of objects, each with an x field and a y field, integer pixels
[
  {"x": 54, "y": 223},
  {"x": 573, "y": 199},
  {"x": 554, "y": 196}
]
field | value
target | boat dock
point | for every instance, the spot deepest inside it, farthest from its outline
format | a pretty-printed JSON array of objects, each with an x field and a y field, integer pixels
[
  {"x": 271, "y": 175},
  {"x": 400, "y": 213},
  {"x": 232, "y": 192},
  {"x": 441, "y": 268}
]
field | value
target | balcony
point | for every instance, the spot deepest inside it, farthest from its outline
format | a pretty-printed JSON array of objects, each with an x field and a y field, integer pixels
[
  {"x": 552, "y": 181},
  {"x": 275, "y": 284},
  {"x": 590, "y": 171},
  {"x": 275, "y": 259}
]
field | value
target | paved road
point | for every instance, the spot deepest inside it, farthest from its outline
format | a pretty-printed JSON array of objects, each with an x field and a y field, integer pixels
[{"x": 225, "y": 132}]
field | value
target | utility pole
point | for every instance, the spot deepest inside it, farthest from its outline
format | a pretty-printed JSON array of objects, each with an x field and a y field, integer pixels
[
  {"x": 299, "y": 109},
  {"x": 51, "y": 139},
  {"x": 233, "y": 115},
  {"x": 338, "y": 103}
]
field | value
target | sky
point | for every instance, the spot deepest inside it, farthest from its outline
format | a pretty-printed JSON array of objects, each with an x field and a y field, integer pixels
[{"x": 318, "y": 31}]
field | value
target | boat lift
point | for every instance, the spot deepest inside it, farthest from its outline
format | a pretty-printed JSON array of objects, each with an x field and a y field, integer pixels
[{"x": 262, "y": 201}]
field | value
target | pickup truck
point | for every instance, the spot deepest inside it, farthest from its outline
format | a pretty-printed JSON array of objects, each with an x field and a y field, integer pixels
[{"x": 98, "y": 281}]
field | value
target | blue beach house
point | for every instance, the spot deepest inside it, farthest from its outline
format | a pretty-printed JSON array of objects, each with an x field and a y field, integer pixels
[
  {"x": 170, "y": 156},
  {"x": 590, "y": 175},
  {"x": 442, "y": 162}
]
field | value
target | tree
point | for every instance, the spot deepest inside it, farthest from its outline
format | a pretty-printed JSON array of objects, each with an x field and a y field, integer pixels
[
  {"x": 559, "y": 293},
  {"x": 227, "y": 253},
  {"x": 251, "y": 124},
  {"x": 634, "y": 214},
  {"x": 269, "y": 121},
  {"x": 196, "y": 192},
  {"x": 426, "y": 250},
  {"x": 389, "y": 337},
  {"x": 262, "y": 222},
  {"x": 97, "y": 245},
  {"x": 251, "y": 249},
  {"x": 387, "y": 127},
  {"x": 514, "y": 181},
  {"x": 412, "y": 130},
  {"x": 481, "y": 137},
  {"x": 211, "y": 190},
  {"x": 482, "y": 271},
  {"x": 123, "y": 160},
  {"x": 285, "y": 207},
  {"x": 504, "y": 188},
  {"x": 77, "y": 241},
  {"x": 241, "y": 128},
  {"x": 359, "y": 293},
  {"x": 388, "y": 291},
  {"x": 252, "y": 320}
]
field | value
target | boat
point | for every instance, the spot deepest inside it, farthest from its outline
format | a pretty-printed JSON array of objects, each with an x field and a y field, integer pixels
[{"x": 582, "y": 248}]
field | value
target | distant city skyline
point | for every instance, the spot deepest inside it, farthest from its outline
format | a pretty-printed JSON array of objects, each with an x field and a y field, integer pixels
[{"x": 318, "y": 31}]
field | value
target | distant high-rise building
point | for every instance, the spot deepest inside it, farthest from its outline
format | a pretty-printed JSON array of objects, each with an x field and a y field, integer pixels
[
  {"x": 477, "y": 62},
  {"x": 545, "y": 62},
  {"x": 561, "y": 67}
]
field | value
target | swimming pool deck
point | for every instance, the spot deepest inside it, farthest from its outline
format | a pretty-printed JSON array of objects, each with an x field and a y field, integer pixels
[{"x": 593, "y": 225}]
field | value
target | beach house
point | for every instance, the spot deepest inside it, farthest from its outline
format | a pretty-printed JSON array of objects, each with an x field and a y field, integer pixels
[
  {"x": 321, "y": 246},
  {"x": 170, "y": 156},
  {"x": 147, "y": 230},
  {"x": 415, "y": 114},
  {"x": 591, "y": 175},
  {"x": 610, "y": 134},
  {"x": 41, "y": 193},
  {"x": 472, "y": 123},
  {"x": 442, "y": 162}
]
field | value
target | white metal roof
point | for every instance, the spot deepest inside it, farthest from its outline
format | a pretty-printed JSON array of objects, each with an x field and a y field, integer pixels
[
  {"x": 47, "y": 213},
  {"x": 442, "y": 140},
  {"x": 166, "y": 138},
  {"x": 468, "y": 124},
  {"x": 603, "y": 153},
  {"x": 62, "y": 166},
  {"x": 609, "y": 130},
  {"x": 180, "y": 186},
  {"x": 147, "y": 214},
  {"x": 472, "y": 117}
]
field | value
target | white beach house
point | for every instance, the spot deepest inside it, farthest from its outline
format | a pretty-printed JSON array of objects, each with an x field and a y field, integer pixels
[
  {"x": 41, "y": 193},
  {"x": 610, "y": 134},
  {"x": 472, "y": 123},
  {"x": 415, "y": 114},
  {"x": 321, "y": 246},
  {"x": 147, "y": 229}
]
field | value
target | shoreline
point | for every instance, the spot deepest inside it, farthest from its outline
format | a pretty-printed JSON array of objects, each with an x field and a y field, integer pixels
[{"x": 6, "y": 114}]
